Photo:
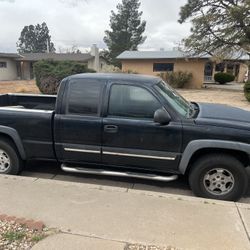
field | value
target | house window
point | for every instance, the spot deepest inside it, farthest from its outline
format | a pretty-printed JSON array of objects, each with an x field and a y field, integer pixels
[
  {"x": 159, "y": 67},
  {"x": 3, "y": 64},
  {"x": 230, "y": 68},
  {"x": 220, "y": 67}
]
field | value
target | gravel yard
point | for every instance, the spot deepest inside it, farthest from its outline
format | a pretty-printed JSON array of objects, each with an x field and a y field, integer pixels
[
  {"x": 18, "y": 87},
  {"x": 142, "y": 247},
  {"x": 229, "y": 97},
  {"x": 14, "y": 236}
]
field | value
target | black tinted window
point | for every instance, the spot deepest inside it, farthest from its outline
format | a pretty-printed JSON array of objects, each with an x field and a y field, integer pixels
[
  {"x": 131, "y": 101},
  {"x": 159, "y": 67},
  {"x": 84, "y": 96}
]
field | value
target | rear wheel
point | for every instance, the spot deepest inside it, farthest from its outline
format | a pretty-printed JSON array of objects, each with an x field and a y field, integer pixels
[
  {"x": 10, "y": 161},
  {"x": 218, "y": 176}
]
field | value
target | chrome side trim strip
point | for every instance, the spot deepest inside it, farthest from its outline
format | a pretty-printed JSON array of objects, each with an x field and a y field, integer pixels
[
  {"x": 120, "y": 154},
  {"x": 32, "y": 95},
  {"x": 119, "y": 174},
  {"x": 26, "y": 110},
  {"x": 140, "y": 156},
  {"x": 82, "y": 150}
]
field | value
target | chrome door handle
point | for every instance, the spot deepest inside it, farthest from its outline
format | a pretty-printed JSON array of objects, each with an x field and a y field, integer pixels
[{"x": 111, "y": 128}]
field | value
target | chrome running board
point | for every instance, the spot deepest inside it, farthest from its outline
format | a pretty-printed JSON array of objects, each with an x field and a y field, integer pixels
[{"x": 119, "y": 174}]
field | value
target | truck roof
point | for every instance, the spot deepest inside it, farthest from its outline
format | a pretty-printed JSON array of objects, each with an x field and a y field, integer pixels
[{"x": 119, "y": 77}]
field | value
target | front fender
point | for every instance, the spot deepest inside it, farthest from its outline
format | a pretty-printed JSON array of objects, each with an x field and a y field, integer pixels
[{"x": 196, "y": 145}]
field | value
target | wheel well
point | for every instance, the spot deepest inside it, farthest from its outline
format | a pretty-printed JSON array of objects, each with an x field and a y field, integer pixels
[
  {"x": 239, "y": 155},
  {"x": 9, "y": 139}
]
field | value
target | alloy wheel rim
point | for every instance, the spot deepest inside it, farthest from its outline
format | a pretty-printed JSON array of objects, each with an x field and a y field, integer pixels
[
  {"x": 219, "y": 181},
  {"x": 4, "y": 161}
]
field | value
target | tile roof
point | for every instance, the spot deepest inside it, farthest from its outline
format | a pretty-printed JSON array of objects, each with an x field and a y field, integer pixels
[
  {"x": 171, "y": 54},
  {"x": 9, "y": 55},
  {"x": 81, "y": 57}
]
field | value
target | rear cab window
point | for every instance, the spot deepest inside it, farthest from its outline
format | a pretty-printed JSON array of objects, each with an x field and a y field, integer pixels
[{"x": 84, "y": 97}]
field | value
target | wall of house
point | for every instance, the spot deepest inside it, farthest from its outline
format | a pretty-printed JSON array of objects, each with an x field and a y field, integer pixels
[
  {"x": 10, "y": 72},
  {"x": 195, "y": 66},
  {"x": 242, "y": 72},
  {"x": 92, "y": 64}
]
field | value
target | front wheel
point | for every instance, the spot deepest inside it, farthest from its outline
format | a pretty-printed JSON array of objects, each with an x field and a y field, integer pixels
[{"x": 218, "y": 176}]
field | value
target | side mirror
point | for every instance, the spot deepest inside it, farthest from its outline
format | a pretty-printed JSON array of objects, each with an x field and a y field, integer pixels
[{"x": 161, "y": 116}]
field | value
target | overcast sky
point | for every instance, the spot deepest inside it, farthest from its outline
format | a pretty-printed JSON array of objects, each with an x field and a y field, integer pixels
[{"x": 83, "y": 22}]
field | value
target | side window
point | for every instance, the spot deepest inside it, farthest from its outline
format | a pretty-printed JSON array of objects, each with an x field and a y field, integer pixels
[
  {"x": 84, "y": 97},
  {"x": 3, "y": 64},
  {"x": 160, "y": 67},
  {"x": 132, "y": 101}
]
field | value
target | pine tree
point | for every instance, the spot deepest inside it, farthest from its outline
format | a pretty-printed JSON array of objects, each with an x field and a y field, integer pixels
[
  {"x": 126, "y": 30},
  {"x": 219, "y": 27},
  {"x": 35, "y": 39}
]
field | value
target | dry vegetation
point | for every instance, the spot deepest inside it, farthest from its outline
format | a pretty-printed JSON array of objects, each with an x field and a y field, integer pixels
[
  {"x": 233, "y": 98},
  {"x": 18, "y": 87}
]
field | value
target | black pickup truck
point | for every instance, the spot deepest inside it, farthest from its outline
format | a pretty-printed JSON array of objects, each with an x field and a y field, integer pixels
[{"x": 129, "y": 125}]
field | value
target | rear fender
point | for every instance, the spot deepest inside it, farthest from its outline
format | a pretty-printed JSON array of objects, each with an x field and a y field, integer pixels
[{"x": 13, "y": 134}]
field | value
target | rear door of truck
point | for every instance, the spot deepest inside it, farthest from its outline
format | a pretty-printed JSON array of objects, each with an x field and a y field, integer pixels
[{"x": 78, "y": 121}]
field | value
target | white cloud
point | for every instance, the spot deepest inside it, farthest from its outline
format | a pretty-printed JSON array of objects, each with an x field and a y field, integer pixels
[
  {"x": 10, "y": 1},
  {"x": 83, "y": 22}
]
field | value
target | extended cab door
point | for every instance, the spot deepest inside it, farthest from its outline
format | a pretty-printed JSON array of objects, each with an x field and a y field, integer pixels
[
  {"x": 131, "y": 138},
  {"x": 78, "y": 124}
]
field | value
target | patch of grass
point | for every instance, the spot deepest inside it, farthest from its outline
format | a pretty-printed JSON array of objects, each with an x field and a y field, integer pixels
[
  {"x": 37, "y": 238},
  {"x": 14, "y": 236}
]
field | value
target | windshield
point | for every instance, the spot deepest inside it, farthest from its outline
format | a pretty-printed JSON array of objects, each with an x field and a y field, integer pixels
[{"x": 182, "y": 106}]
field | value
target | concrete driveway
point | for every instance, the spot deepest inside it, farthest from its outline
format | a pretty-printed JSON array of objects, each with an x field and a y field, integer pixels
[{"x": 52, "y": 171}]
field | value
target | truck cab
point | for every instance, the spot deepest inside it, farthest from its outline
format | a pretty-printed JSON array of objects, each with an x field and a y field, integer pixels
[{"x": 111, "y": 121}]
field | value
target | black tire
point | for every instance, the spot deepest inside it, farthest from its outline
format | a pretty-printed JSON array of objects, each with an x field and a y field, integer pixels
[
  {"x": 206, "y": 167},
  {"x": 8, "y": 151}
]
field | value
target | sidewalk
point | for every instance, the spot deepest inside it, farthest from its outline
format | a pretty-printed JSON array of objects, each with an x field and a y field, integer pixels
[{"x": 108, "y": 218}]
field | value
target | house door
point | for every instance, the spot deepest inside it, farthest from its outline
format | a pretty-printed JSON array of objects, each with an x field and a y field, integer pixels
[
  {"x": 19, "y": 70},
  {"x": 31, "y": 71},
  {"x": 208, "y": 72}
]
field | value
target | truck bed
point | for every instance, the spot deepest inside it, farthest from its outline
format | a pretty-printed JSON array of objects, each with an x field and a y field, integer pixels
[{"x": 28, "y": 101}]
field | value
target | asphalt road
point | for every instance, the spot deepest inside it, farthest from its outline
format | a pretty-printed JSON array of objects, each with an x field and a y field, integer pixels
[{"x": 53, "y": 171}]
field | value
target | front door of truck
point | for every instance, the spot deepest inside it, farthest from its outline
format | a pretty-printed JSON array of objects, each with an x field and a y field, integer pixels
[
  {"x": 78, "y": 129},
  {"x": 131, "y": 138}
]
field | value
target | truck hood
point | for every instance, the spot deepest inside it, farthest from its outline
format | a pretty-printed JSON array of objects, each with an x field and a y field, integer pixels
[{"x": 223, "y": 115}]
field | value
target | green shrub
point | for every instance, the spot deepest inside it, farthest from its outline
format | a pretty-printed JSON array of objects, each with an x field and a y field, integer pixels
[
  {"x": 49, "y": 73},
  {"x": 176, "y": 79},
  {"x": 129, "y": 71},
  {"x": 247, "y": 90},
  {"x": 223, "y": 78}
]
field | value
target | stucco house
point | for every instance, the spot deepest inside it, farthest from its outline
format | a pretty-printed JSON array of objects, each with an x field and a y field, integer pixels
[
  {"x": 20, "y": 66},
  {"x": 203, "y": 68}
]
